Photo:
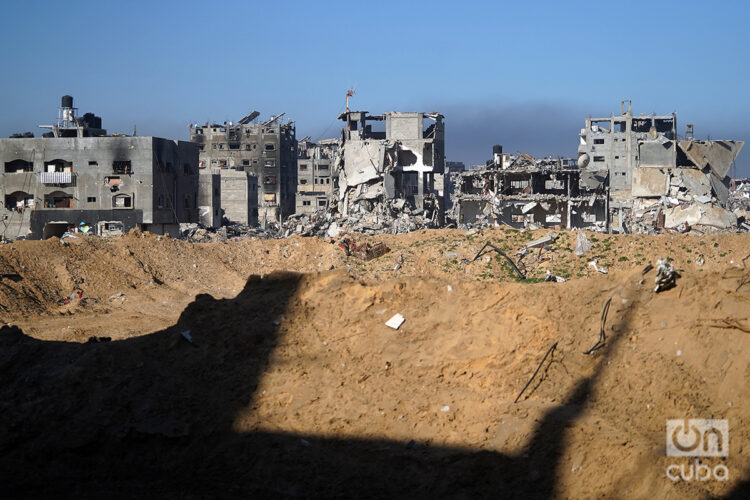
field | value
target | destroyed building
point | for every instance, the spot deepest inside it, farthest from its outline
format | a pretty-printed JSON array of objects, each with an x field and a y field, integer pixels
[
  {"x": 314, "y": 175},
  {"x": 658, "y": 180},
  {"x": 396, "y": 165},
  {"x": 209, "y": 200},
  {"x": 445, "y": 182},
  {"x": 77, "y": 176},
  {"x": 521, "y": 191},
  {"x": 384, "y": 176},
  {"x": 739, "y": 202},
  {"x": 265, "y": 150}
]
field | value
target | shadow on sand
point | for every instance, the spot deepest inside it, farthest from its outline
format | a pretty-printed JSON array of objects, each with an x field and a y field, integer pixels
[{"x": 153, "y": 416}]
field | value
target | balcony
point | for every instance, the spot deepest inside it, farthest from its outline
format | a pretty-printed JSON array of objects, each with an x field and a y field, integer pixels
[{"x": 57, "y": 177}]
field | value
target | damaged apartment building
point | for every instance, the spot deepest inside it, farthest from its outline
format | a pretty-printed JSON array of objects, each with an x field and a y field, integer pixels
[
  {"x": 257, "y": 164},
  {"x": 521, "y": 191},
  {"x": 657, "y": 180},
  {"x": 387, "y": 174},
  {"x": 77, "y": 176},
  {"x": 314, "y": 175}
]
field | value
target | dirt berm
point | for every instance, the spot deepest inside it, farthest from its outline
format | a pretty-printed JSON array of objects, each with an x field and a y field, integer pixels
[{"x": 293, "y": 386}]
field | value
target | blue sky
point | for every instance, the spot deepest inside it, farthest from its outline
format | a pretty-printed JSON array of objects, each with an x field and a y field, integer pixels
[{"x": 521, "y": 74}]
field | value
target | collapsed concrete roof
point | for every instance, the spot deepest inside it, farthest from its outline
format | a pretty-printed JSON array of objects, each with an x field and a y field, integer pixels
[{"x": 716, "y": 155}]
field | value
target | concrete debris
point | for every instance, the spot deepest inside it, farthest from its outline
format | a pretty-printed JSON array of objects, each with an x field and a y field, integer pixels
[
  {"x": 583, "y": 245},
  {"x": 396, "y": 321},
  {"x": 372, "y": 217},
  {"x": 389, "y": 181},
  {"x": 385, "y": 173},
  {"x": 333, "y": 230},
  {"x": 594, "y": 264},
  {"x": 698, "y": 215},
  {"x": 399, "y": 263},
  {"x": 657, "y": 182},
  {"x": 666, "y": 275},
  {"x": 363, "y": 251},
  {"x": 716, "y": 155},
  {"x": 542, "y": 242},
  {"x": 552, "y": 277},
  {"x": 197, "y": 233},
  {"x": 523, "y": 192}
]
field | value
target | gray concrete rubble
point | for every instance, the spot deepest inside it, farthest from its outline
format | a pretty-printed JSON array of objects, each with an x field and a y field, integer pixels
[
  {"x": 391, "y": 217},
  {"x": 583, "y": 245},
  {"x": 386, "y": 176},
  {"x": 544, "y": 241},
  {"x": 739, "y": 203},
  {"x": 522, "y": 191},
  {"x": 666, "y": 276},
  {"x": 198, "y": 233},
  {"x": 659, "y": 182}
]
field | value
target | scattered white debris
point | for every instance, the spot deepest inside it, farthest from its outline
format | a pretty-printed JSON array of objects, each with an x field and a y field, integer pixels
[
  {"x": 666, "y": 276},
  {"x": 552, "y": 277},
  {"x": 396, "y": 321},
  {"x": 333, "y": 230},
  {"x": 679, "y": 352},
  {"x": 593, "y": 264},
  {"x": 445, "y": 409},
  {"x": 450, "y": 288}
]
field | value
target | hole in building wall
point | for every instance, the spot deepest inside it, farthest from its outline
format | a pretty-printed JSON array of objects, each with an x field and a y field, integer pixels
[{"x": 406, "y": 158}]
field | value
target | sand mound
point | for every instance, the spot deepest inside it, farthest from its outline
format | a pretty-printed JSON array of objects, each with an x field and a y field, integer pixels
[{"x": 294, "y": 386}]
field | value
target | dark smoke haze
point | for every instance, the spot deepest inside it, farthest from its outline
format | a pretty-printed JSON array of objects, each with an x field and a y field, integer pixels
[
  {"x": 539, "y": 129},
  {"x": 545, "y": 129}
]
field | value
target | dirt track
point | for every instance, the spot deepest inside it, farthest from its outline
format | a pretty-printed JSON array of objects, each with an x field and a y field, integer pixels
[{"x": 295, "y": 387}]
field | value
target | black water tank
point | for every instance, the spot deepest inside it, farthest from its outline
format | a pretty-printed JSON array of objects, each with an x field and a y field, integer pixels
[
  {"x": 67, "y": 101},
  {"x": 497, "y": 149}
]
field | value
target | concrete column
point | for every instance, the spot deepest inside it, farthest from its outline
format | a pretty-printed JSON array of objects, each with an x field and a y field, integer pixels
[
  {"x": 568, "y": 225},
  {"x": 420, "y": 188}
]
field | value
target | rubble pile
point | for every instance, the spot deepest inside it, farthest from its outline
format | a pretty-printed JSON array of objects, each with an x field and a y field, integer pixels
[
  {"x": 198, "y": 233},
  {"x": 523, "y": 192},
  {"x": 681, "y": 199},
  {"x": 369, "y": 217},
  {"x": 739, "y": 203},
  {"x": 388, "y": 182}
]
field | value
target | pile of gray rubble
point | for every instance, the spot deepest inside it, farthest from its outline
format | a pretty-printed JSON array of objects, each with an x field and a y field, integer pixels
[{"x": 377, "y": 217}]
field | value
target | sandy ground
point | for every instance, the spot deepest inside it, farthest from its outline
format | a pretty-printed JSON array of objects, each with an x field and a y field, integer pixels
[{"x": 295, "y": 387}]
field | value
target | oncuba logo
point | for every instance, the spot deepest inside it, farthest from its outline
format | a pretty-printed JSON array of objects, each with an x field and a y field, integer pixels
[{"x": 697, "y": 438}]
